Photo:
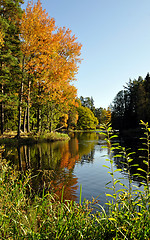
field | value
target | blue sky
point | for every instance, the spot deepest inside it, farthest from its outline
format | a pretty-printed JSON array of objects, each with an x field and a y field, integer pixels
[{"x": 115, "y": 35}]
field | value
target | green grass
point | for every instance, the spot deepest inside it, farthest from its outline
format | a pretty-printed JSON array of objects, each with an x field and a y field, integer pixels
[
  {"x": 27, "y": 216},
  {"x": 32, "y": 138}
]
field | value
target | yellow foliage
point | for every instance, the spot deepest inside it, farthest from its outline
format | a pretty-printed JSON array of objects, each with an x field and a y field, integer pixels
[
  {"x": 1, "y": 38},
  {"x": 51, "y": 53}
]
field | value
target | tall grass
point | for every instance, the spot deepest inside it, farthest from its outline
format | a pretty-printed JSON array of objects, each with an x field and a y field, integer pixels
[{"x": 126, "y": 216}]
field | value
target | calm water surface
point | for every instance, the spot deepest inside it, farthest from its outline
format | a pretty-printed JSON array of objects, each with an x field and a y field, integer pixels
[{"x": 70, "y": 164}]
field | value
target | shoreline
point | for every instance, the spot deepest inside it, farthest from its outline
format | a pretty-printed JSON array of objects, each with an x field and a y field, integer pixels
[{"x": 9, "y": 138}]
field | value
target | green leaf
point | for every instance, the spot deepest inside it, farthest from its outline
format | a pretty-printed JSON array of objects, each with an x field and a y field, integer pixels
[
  {"x": 120, "y": 190},
  {"x": 116, "y": 182},
  {"x": 106, "y": 166},
  {"x": 104, "y": 147},
  {"x": 143, "y": 177},
  {"x": 103, "y": 134},
  {"x": 112, "y": 219},
  {"x": 117, "y": 155},
  {"x": 135, "y": 165},
  {"x": 123, "y": 185},
  {"x": 110, "y": 173},
  {"x": 135, "y": 186},
  {"x": 142, "y": 183},
  {"x": 145, "y": 162},
  {"x": 116, "y": 144},
  {"x": 142, "y": 138},
  {"x": 118, "y": 170},
  {"x": 108, "y": 183},
  {"x": 140, "y": 169},
  {"x": 142, "y": 157},
  {"x": 109, "y": 195},
  {"x": 141, "y": 122},
  {"x": 130, "y": 160},
  {"x": 130, "y": 153},
  {"x": 136, "y": 174},
  {"x": 109, "y": 204},
  {"x": 114, "y": 136},
  {"x": 142, "y": 149},
  {"x": 124, "y": 163},
  {"x": 109, "y": 129},
  {"x": 109, "y": 188}
]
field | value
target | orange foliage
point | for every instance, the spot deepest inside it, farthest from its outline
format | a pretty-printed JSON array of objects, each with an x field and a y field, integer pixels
[{"x": 51, "y": 54}]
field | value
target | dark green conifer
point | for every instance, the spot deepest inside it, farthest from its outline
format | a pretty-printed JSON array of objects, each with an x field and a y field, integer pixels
[{"x": 10, "y": 54}]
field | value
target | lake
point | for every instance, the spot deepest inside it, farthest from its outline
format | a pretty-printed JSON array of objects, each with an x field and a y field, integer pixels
[{"x": 70, "y": 164}]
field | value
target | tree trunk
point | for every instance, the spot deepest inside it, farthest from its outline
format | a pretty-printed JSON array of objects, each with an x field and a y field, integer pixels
[
  {"x": 28, "y": 107},
  {"x": 39, "y": 112},
  {"x": 51, "y": 123},
  {"x": 20, "y": 101},
  {"x": 2, "y": 111},
  {"x": 24, "y": 120},
  {"x": 51, "y": 117},
  {"x": 20, "y": 110},
  {"x": 38, "y": 120}
]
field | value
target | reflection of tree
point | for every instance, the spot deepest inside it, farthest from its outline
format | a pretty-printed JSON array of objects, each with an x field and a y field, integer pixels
[
  {"x": 70, "y": 154},
  {"x": 52, "y": 164},
  {"x": 88, "y": 158},
  {"x": 66, "y": 179},
  {"x": 87, "y": 143},
  {"x": 131, "y": 145}
]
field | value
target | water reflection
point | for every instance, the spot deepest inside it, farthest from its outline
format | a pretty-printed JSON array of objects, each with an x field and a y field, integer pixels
[
  {"x": 66, "y": 164},
  {"x": 132, "y": 144},
  {"x": 53, "y": 164}
]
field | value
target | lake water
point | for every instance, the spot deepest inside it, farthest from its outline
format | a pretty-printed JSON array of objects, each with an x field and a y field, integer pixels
[{"x": 68, "y": 164}]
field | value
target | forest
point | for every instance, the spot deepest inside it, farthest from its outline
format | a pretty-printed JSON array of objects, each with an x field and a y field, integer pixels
[
  {"x": 132, "y": 104},
  {"x": 38, "y": 65}
]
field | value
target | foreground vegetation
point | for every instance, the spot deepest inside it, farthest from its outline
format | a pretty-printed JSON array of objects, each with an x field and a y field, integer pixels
[{"x": 24, "y": 215}]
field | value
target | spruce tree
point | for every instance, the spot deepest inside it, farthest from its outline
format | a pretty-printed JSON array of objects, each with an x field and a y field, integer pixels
[{"x": 10, "y": 54}]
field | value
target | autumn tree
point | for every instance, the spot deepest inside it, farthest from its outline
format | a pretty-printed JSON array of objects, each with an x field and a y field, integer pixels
[{"x": 51, "y": 58}]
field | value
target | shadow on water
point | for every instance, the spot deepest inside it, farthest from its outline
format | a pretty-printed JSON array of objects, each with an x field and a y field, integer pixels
[{"x": 132, "y": 144}]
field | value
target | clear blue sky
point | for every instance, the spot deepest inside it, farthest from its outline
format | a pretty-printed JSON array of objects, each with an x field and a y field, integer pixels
[{"x": 115, "y": 35}]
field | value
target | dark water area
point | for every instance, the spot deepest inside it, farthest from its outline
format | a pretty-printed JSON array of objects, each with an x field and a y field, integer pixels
[{"x": 70, "y": 165}]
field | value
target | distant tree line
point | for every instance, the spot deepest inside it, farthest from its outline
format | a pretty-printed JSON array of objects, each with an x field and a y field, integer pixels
[
  {"x": 97, "y": 116},
  {"x": 132, "y": 104}
]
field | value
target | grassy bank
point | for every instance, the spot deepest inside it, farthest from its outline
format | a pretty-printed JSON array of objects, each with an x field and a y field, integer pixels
[
  {"x": 31, "y": 138},
  {"x": 27, "y": 216}
]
